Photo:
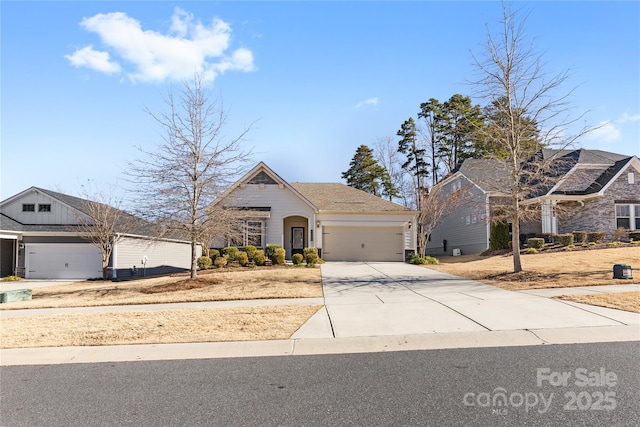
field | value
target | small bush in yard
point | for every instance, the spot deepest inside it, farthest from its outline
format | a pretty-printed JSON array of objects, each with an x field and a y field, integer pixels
[
  {"x": 532, "y": 251},
  {"x": 312, "y": 259},
  {"x": 595, "y": 237},
  {"x": 535, "y": 242},
  {"x": 269, "y": 250},
  {"x": 297, "y": 259},
  {"x": 579, "y": 236},
  {"x": 221, "y": 262},
  {"x": 230, "y": 252},
  {"x": 619, "y": 234},
  {"x": 259, "y": 258},
  {"x": 278, "y": 256},
  {"x": 418, "y": 260},
  {"x": 251, "y": 252},
  {"x": 204, "y": 262},
  {"x": 10, "y": 279},
  {"x": 213, "y": 254},
  {"x": 634, "y": 235},
  {"x": 242, "y": 258},
  {"x": 564, "y": 239}
]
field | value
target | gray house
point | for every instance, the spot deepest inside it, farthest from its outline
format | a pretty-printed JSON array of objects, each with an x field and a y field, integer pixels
[
  {"x": 584, "y": 190},
  {"x": 40, "y": 238}
]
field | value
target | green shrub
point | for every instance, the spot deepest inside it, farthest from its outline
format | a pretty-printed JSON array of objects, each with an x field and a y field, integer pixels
[
  {"x": 10, "y": 279},
  {"x": 242, "y": 258},
  {"x": 634, "y": 235},
  {"x": 307, "y": 251},
  {"x": 311, "y": 258},
  {"x": 269, "y": 250},
  {"x": 259, "y": 258},
  {"x": 579, "y": 236},
  {"x": 417, "y": 259},
  {"x": 278, "y": 255},
  {"x": 251, "y": 252},
  {"x": 213, "y": 254},
  {"x": 564, "y": 239},
  {"x": 204, "y": 262},
  {"x": 532, "y": 251},
  {"x": 221, "y": 262},
  {"x": 230, "y": 252},
  {"x": 297, "y": 259},
  {"x": 535, "y": 242},
  {"x": 591, "y": 243},
  {"x": 500, "y": 237},
  {"x": 595, "y": 237}
]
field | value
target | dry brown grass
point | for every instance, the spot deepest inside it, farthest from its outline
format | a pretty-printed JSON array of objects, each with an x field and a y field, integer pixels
[
  {"x": 143, "y": 327},
  {"x": 629, "y": 301},
  {"x": 284, "y": 282},
  {"x": 545, "y": 270}
]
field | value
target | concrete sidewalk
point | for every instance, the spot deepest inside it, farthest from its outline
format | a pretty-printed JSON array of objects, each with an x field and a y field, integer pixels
[{"x": 384, "y": 307}]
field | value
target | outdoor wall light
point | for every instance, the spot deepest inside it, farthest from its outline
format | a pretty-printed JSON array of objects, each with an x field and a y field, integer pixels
[
  {"x": 410, "y": 224},
  {"x": 317, "y": 224}
]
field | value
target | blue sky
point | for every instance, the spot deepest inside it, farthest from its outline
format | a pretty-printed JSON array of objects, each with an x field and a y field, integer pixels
[{"x": 317, "y": 78}]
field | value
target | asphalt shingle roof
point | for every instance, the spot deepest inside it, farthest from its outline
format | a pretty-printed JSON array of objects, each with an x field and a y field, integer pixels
[{"x": 335, "y": 197}]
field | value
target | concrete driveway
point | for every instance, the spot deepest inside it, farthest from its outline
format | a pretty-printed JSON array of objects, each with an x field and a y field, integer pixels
[{"x": 378, "y": 299}]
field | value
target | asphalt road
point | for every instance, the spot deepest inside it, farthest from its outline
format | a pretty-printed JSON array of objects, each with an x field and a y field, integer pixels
[{"x": 586, "y": 384}]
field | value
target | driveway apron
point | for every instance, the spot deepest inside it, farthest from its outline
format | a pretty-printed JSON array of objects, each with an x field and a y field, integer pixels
[{"x": 375, "y": 299}]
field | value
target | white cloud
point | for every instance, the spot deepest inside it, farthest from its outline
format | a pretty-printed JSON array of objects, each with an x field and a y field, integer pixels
[
  {"x": 626, "y": 117},
  {"x": 99, "y": 61},
  {"x": 370, "y": 101},
  {"x": 606, "y": 132},
  {"x": 188, "y": 47}
]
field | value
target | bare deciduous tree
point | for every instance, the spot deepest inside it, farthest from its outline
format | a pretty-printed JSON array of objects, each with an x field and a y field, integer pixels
[
  {"x": 386, "y": 150},
  {"x": 103, "y": 223},
  {"x": 178, "y": 180},
  {"x": 513, "y": 81},
  {"x": 435, "y": 208}
]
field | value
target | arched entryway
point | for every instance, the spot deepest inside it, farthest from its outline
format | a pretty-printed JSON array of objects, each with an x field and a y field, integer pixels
[{"x": 296, "y": 234}]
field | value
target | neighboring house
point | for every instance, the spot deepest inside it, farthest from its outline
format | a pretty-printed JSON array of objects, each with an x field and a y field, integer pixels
[
  {"x": 344, "y": 223},
  {"x": 40, "y": 239},
  {"x": 584, "y": 190}
]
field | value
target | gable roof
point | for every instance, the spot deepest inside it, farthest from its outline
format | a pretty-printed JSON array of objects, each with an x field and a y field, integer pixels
[
  {"x": 578, "y": 172},
  {"x": 490, "y": 175},
  {"x": 336, "y": 197}
]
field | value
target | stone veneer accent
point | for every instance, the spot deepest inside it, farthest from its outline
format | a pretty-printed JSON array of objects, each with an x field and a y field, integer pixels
[{"x": 599, "y": 214}]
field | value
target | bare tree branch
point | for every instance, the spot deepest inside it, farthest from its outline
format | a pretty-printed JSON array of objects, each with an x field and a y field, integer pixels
[{"x": 192, "y": 166}]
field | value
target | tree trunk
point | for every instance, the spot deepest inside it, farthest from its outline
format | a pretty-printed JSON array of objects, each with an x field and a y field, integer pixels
[
  {"x": 515, "y": 239},
  {"x": 194, "y": 263}
]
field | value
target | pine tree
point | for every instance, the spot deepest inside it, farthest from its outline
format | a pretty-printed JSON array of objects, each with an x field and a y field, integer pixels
[{"x": 366, "y": 174}]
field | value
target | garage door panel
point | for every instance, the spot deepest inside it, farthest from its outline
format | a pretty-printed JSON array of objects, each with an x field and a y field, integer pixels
[
  {"x": 363, "y": 244},
  {"x": 63, "y": 261}
]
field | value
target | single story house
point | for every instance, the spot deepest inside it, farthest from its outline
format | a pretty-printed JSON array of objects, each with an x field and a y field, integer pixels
[
  {"x": 343, "y": 223},
  {"x": 41, "y": 238},
  {"x": 584, "y": 190}
]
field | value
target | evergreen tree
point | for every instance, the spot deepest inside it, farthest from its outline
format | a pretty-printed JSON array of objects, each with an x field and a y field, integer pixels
[
  {"x": 366, "y": 174},
  {"x": 432, "y": 114},
  {"x": 462, "y": 122},
  {"x": 416, "y": 163}
]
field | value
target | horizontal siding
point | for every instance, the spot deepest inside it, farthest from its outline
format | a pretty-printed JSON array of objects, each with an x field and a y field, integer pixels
[
  {"x": 468, "y": 237},
  {"x": 282, "y": 201},
  {"x": 163, "y": 257}
]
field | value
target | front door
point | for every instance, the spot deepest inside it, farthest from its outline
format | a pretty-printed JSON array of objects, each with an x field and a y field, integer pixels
[{"x": 297, "y": 240}]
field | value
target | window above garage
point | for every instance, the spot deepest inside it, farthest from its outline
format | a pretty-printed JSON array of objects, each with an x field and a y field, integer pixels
[{"x": 44, "y": 207}]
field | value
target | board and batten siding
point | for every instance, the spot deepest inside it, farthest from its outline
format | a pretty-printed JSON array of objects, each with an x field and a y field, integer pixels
[
  {"x": 162, "y": 256},
  {"x": 60, "y": 213},
  {"x": 465, "y": 229},
  {"x": 282, "y": 201}
]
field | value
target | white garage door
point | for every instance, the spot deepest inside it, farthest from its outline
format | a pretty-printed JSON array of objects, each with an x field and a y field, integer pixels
[
  {"x": 362, "y": 244},
  {"x": 63, "y": 261}
]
